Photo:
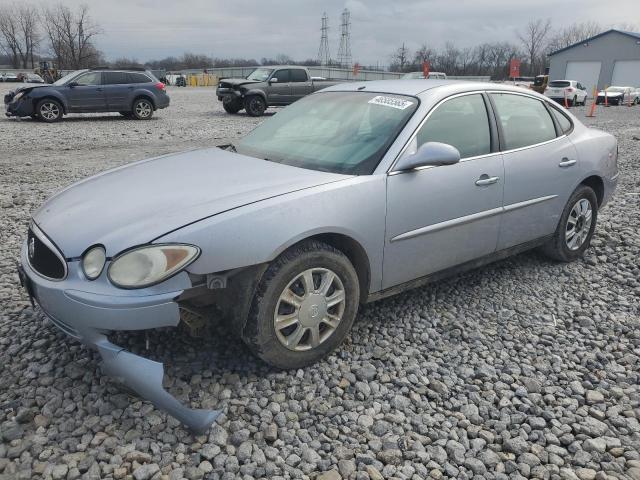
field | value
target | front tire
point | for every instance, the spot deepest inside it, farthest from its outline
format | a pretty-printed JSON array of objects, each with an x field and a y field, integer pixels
[
  {"x": 255, "y": 106},
  {"x": 142, "y": 109},
  {"x": 49, "y": 110},
  {"x": 575, "y": 229},
  {"x": 231, "y": 104},
  {"x": 304, "y": 306}
]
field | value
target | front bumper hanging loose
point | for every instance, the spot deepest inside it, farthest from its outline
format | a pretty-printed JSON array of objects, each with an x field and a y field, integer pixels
[{"x": 87, "y": 317}]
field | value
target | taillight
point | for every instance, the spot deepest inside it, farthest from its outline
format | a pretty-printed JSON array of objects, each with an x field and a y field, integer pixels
[
  {"x": 160, "y": 86},
  {"x": 570, "y": 89}
]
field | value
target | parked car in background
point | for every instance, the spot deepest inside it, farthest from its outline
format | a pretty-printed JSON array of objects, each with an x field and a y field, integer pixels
[
  {"x": 347, "y": 196},
  {"x": 32, "y": 78},
  {"x": 618, "y": 96},
  {"x": 420, "y": 75},
  {"x": 133, "y": 93},
  {"x": 571, "y": 90},
  {"x": 540, "y": 83},
  {"x": 10, "y": 77},
  {"x": 267, "y": 86}
]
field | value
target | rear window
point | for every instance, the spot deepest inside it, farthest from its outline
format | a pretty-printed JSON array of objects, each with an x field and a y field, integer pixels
[
  {"x": 138, "y": 78},
  {"x": 560, "y": 84}
]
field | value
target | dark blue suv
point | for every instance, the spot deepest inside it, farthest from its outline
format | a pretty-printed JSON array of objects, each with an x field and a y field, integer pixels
[{"x": 135, "y": 94}]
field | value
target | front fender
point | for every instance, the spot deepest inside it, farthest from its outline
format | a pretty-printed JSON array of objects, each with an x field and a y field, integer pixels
[
  {"x": 256, "y": 91},
  {"x": 257, "y": 233},
  {"x": 38, "y": 94}
]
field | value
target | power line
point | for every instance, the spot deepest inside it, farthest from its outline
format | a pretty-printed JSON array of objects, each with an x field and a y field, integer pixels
[
  {"x": 324, "y": 58},
  {"x": 344, "y": 52}
]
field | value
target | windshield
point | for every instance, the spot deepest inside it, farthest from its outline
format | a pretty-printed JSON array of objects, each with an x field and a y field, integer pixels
[
  {"x": 559, "y": 83},
  {"x": 339, "y": 132},
  {"x": 66, "y": 78},
  {"x": 260, "y": 74}
]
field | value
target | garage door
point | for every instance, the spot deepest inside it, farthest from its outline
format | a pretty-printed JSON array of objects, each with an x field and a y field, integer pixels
[
  {"x": 626, "y": 73},
  {"x": 586, "y": 73}
]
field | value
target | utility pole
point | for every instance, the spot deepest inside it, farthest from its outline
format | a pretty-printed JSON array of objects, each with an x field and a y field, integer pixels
[
  {"x": 324, "y": 58},
  {"x": 344, "y": 53}
]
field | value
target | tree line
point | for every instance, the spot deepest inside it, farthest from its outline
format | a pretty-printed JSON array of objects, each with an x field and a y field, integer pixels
[
  {"x": 65, "y": 34},
  {"x": 534, "y": 43}
]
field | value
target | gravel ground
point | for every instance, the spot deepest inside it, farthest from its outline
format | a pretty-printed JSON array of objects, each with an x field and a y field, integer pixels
[{"x": 526, "y": 368}]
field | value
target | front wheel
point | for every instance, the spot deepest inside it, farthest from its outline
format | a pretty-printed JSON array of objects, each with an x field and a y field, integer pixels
[
  {"x": 576, "y": 226},
  {"x": 142, "y": 109},
  {"x": 231, "y": 104},
  {"x": 49, "y": 110},
  {"x": 303, "y": 307},
  {"x": 255, "y": 105}
]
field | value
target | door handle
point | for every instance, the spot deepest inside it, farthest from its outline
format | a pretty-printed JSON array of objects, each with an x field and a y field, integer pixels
[
  {"x": 567, "y": 163},
  {"x": 486, "y": 180}
]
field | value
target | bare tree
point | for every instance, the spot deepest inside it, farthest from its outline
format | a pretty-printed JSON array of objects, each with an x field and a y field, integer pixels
[
  {"x": 70, "y": 35},
  {"x": 448, "y": 59},
  {"x": 400, "y": 59},
  {"x": 19, "y": 33},
  {"x": 533, "y": 40},
  {"x": 425, "y": 54},
  {"x": 574, "y": 33}
]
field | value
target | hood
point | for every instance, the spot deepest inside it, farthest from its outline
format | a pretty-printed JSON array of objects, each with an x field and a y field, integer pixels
[
  {"x": 139, "y": 202},
  {"x": 609, "y": 94},
  {"x": 237, "y": 81}
]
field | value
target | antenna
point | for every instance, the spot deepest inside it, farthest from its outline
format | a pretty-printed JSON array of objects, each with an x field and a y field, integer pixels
[
  {"x": 324, "y": 57},
  {"x": 344, "y": 53}
]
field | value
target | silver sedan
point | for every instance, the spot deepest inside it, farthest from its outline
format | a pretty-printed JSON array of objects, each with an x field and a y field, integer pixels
[{"x": 347, "y": 196}]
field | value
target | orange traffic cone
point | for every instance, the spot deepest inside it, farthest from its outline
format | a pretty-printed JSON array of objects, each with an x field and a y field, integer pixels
[
  {"x": 566, "y": 103},
  {"x": 592, "y": 112}
]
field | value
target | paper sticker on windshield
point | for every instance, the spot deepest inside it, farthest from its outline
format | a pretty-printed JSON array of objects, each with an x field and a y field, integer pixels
[{"x": 392, "y": 102}]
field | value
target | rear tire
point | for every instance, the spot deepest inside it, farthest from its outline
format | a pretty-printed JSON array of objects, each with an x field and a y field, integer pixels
[
  {"x": 231, "y": 104},
  {"x": 255, "y": 106},
  {"x": 49, "y": 110},
  {"x": 142, "y": 109},
  {"x": 575, "y": 228},
  {"x": 304, "y": 306}
]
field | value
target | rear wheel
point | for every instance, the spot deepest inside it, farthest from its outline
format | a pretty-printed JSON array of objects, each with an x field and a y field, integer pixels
[
  {"x": 255, "y": 105},
  {"x": 304, "y": 306},
  {"x": 49, "y": 110},
  {"x": 576, "y": 226},
  {"x": 232, "y": 104},
  {"x": 142, "y": 109}
]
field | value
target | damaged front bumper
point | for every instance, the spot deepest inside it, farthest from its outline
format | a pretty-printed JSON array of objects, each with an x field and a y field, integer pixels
[{"x": 89, "y": 316}]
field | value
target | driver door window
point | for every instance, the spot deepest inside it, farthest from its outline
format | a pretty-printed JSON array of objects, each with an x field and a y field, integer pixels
[
  {"x": 462, "y": 122},
  {"x": 90, "y": 79}
]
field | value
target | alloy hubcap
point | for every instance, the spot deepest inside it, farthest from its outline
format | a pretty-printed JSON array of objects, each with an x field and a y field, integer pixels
[
  {"x": 49, "y": 111},
  {"x": 578, "y": 224},
  {"x": 309, "y": 309},
  {"x": 143, "y": 109}
]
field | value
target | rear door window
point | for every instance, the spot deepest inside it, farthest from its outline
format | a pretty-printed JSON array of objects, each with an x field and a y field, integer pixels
[
  {"x": 563, "y": 120},
  {"x": 525, "y": 120},
  {"x": 298, "y": 75},
  {"x": 462, "y": 122},
  {"x": 115, "y": 78}
]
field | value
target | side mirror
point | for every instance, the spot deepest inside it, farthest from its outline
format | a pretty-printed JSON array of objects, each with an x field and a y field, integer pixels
[
  {"x": 432, "y": 154},
  {"x": 273, "y": 80}
]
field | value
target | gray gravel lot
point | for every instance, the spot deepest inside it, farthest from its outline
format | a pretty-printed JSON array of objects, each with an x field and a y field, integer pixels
[{"x": 526, "y": 368}]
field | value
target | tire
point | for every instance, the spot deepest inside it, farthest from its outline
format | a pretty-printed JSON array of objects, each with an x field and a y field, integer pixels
[
  {"x": 231, "y": 104},
  {"x": 126, "y": 114},
  {"x": 142, "y": 109},
  {"x": 636, "y": 101},
  {"x": 562, "y": 246},
  {"x": 574, "y": 102},
  {"x": 255, "y": 105},
  {"x": 49, "y": 110},
  {"x": 285, "y": 278}
]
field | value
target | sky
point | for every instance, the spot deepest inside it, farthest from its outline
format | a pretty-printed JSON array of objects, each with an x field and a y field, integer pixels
[{"x": 153, "y": 29}]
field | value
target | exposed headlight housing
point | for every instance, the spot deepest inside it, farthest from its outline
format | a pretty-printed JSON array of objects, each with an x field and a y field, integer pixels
[
  {"x": 146, "y": 266},
  {"x": 18, "y": 95},
  {"x": 93, "y": 262}
]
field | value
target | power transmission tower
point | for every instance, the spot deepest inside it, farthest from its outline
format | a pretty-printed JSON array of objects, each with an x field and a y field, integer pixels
[
  {"x": 324, "y": 57},
  {"x": 344, "y": 53}
]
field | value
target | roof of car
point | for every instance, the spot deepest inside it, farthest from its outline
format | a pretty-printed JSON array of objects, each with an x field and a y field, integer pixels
[{"x": 416, "y": 87}]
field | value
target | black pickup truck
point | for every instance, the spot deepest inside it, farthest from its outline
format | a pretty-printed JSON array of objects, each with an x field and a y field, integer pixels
[{"x": 267, "y": 86}]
